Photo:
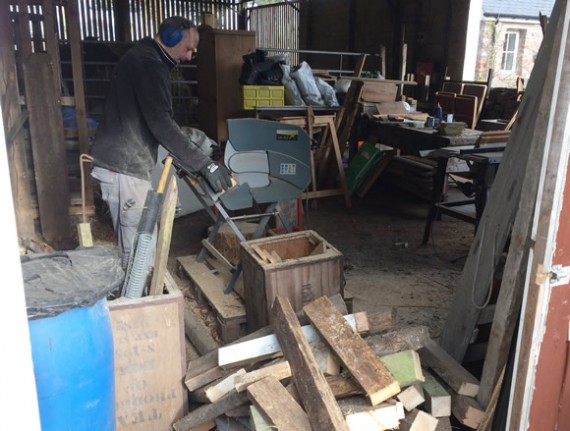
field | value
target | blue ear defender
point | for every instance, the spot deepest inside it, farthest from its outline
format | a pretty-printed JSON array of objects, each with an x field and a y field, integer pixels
[{"x": 172, "y": 36}]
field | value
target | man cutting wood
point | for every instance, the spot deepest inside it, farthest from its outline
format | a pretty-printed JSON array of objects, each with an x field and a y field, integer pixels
[{"x": 137, "y": 118}]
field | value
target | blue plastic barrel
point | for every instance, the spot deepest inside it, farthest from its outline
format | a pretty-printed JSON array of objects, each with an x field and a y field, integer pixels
[{"x": 71, "y": 337}]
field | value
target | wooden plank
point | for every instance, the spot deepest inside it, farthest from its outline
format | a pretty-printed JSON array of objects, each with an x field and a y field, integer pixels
[
  {"x": 466, "y": 410},
  {"x": 280, "y": 371},
  {"x": 418, "y": 420},
  {"x": 376, "y": 173},
  {"x": 412, "y": 396},
  {"x": 448, "y": 369},
  {"x": 438, "y": 400},
  {"x": 198, "y": 332},
  {"x": 149, "y": 345},
  {"x": 227, "y": 306},
  {"x": 405, "y": 367},
  {"x": 360, "y": 415},
  {"x": 217, "y": 390},
  {"x": 382, "y": 319},
  {"x": 11, "y": 114},
  {"x": 74, "y": 40},
  {"x": 167, "y": 213},
  {"x": 526, "y": 145},
  {"x": 271, "y": 398},
  {"x": 46, "y": 127},
  {"x": 207, "y": 412},
  {"x": 539, "y": 395},
  {"x": 257, "y": 421},
  {"x": 226, "y": 423},
  {"x": 409, "y": 337},
  {"x": 343, "y": 387},
  {"x": 359, "y": 66},
  {"x": 51, "y": 41},
  {"x": 205, "y": 369},
  {"x": 257, "y": 349},
  {"x": 316, "y": 395},
  {"x": 352, "y": 350},
  {"x": 443, "y": 424},
  {"x": 487, "y": 422}
]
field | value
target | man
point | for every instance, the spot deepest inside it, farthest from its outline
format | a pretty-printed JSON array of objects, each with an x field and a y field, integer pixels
[{"x": 137, "y": 118}]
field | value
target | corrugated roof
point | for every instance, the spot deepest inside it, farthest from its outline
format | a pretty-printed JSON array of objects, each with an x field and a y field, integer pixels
[{"x": 517, "y": 8}]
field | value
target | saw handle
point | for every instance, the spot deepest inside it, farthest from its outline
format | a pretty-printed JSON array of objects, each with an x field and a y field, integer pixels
[{"x": 164, "y": 176}]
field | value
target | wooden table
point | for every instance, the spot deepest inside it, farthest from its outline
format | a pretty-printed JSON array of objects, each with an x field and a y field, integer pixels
[
  {"x": 412, "y": 140},
  {"x": 408, "y": 140}
]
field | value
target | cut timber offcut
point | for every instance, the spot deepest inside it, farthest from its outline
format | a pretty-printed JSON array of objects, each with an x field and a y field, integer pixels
[{"x": 352, "y": 350}]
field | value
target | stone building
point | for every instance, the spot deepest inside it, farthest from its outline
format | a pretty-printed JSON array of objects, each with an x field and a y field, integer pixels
[{"x": 510, "y": 38}]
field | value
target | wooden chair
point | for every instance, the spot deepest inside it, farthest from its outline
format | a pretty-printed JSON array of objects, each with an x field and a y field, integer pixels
[
  {"x": 479, "y": 91},
  {"x": 466, "y": 109},
  {"x": 452, "y": 87}
]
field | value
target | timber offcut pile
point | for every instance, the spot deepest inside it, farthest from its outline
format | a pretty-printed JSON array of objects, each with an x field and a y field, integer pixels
[{"x": 323, "y": 370}]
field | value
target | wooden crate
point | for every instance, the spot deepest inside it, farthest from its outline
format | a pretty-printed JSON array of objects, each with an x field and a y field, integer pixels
[
  {"x": 310, "y": 268},
  {"x": 150, "y": 363}
]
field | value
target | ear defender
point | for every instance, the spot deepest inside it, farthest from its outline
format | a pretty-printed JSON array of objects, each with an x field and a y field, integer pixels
[{"x": 171, "y": 36}]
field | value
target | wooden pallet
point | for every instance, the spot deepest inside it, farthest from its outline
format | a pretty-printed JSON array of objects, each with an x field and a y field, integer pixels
[{"x": 208, "y": 285}]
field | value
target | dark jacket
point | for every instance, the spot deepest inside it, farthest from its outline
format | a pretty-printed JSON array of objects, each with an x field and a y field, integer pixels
[{"x": 138, "y": 116}]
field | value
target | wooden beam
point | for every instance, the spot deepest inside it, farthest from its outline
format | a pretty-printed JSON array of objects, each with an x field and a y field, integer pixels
[
  {"x": 52, "y": 42},
  {"x": 12, "y": 114},
  {"x": 466, "y": 410},
  {"x": 316, "y": 395},
  {"x": 412, "y": 396},
  {"x": 360, "y": 415},
  {"x": 357, "y": 356},
  {"x": 48, "y": 149},
  {"x": 208, "y": 412},
  {"x": 526, "y": 145},
  {"x": 217, "y": 390},
  {"x": 418, "y": 420},
  {"x": 271, "y": 398},
  {"x": 252, "y": 351},
  {"x": 405, "y": 366},
  {"x": 449, "y": 370},
  {"x": 409, "y": 337},
  {"x": 438, "y": 400},
  {"x": 280, "y": 371},
  {"x": 74, "y": 39},
  {"x": 167, "y": 213}
]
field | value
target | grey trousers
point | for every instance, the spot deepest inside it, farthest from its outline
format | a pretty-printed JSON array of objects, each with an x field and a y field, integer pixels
[{"x": 125, "y": 196}]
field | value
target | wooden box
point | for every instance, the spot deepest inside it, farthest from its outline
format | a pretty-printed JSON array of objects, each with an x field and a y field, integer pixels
[
  {"x": 310, "y": 267},
  {"x": 150, "y": 363}
]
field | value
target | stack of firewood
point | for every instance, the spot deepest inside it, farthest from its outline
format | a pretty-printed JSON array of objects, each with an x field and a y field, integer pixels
[{"x": 337, "y": 372}]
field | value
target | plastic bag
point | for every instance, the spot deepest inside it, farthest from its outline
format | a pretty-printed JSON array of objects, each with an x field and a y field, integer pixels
[
  {"x": 327, "y": 92},
  {"x": 305, "y": 80},
  {"x": 292, "y": 93}
]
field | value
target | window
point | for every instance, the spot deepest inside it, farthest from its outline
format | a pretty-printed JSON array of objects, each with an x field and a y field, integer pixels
[{"x": 510, "y": 49}]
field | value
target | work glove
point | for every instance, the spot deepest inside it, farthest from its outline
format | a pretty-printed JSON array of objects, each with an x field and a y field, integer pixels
[{"x": 217, "y": 175}]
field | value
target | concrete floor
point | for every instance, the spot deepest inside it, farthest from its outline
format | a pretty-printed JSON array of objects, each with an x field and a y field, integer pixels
[{"x": 384, "y": 261}]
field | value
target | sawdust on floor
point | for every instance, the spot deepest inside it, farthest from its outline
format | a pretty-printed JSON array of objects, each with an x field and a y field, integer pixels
[{"x": 384, "y": 261}]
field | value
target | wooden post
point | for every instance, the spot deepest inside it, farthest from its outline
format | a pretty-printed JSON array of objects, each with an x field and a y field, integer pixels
[
  {"x": 46, "y": 127},
  {"x": 13, "y": 116},
  {"x": 313, "y": 389},
  {"x": 72, "y": 17}
]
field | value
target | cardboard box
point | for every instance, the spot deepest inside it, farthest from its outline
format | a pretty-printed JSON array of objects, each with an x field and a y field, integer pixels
[{"x": 150, "y": 361}]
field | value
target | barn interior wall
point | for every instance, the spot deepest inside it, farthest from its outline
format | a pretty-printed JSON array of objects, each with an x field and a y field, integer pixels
[{"x": 434, "y": 31}]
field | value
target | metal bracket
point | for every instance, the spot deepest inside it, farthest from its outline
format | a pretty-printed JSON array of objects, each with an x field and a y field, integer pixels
[{"x": 559, "y": 275}]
